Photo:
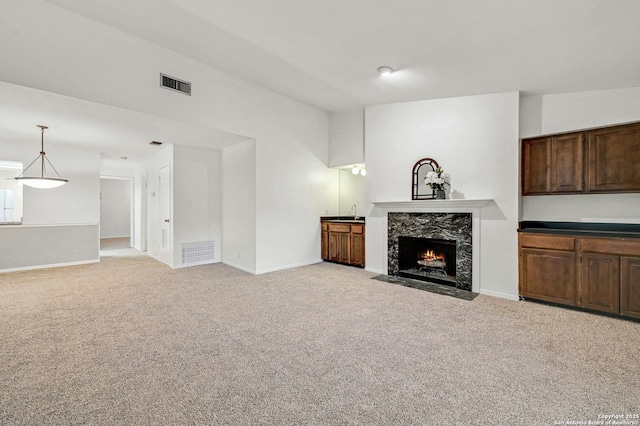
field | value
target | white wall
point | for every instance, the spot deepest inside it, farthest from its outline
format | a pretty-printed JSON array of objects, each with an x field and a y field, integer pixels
[
  {"x": 115, "y": 208},
  {"x": 351, "y": 191},
  {"x": 346, "y": 138},
  {"x": 239, "y": 220},
  {"x": 546, "y": 114},
  {"x": 76, "y": 203},
  {"x": 294, "y": 188},
  {"x": 346, "y": 148},
  {"x": 140, "y": 199},
  {"x": 476, "y": 140},
  {"x": 197, "y": 198},
  {"x": 541, "y": 115},
  {"x": 291, "y": 138}
]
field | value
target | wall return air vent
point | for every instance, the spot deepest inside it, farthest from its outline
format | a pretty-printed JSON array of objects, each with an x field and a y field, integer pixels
[
  {"x": 199, "y": 253},
  {"x": 174, "y": 84}
]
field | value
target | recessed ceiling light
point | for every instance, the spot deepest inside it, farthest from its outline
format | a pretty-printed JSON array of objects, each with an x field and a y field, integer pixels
[{"x": 385, "y": 71}]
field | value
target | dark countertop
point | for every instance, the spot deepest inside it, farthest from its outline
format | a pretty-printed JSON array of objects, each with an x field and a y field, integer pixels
[
  {"x": 621, "y": 230},
  {"x": 342, "y": 219}
]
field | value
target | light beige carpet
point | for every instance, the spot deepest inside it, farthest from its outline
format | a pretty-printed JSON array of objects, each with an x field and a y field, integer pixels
[{"x": 130, "y": 341}]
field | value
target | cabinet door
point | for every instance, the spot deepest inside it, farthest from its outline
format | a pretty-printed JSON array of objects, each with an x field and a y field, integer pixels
[
  {"x": 614, "y": 159},
  {"x": 601, "y": 282},
  {"x": 343, "y": 252},
  {"x": 536, "y": 173},
  {"x": 630, "y": 286},
  {"x": 567, "y": 163},
  {"x": 549, "y": 275},
  {"x": 357, "y": 249},
  {"x": 325, "y": 243},
  {"x": 339, "y": 247},
  {"x": 333, "y": 246}
]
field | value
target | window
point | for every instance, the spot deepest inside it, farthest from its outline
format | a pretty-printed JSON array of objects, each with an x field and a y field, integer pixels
[{"x": 10, "y": 193}]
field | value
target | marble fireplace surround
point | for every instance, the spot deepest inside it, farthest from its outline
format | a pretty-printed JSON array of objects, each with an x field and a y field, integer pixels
[
  {"x": 443, "y": 226},
  {"x": 438, "y": 206}
]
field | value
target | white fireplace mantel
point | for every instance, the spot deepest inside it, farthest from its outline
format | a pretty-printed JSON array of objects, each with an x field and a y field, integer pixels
[
  {"x": 437, "y": 206},
  {"x": 433, "y": 204}
]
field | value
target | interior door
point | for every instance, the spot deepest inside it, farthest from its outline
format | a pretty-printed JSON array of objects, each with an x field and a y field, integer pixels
[{"x": 166, "y": 245}]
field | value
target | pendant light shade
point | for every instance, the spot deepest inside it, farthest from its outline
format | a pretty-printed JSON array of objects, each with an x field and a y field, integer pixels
[{"x": 43, "y": 181}]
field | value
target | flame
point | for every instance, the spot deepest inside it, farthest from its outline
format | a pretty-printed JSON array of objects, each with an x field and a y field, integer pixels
[{"x": 431, "y": 255}]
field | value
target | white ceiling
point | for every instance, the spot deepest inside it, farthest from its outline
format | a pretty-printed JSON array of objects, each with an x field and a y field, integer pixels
[
  {"x": 325, "y": 52},
  {"x": 115, "y": 132}
]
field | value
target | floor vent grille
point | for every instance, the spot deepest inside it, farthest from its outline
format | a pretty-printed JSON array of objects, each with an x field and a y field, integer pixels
[
  {"x": 198, "y": 253},
  {"x": 174, "y": 84}
]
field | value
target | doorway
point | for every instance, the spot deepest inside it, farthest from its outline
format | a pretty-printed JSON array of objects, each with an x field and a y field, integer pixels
[{"x": 116, "y": 213}]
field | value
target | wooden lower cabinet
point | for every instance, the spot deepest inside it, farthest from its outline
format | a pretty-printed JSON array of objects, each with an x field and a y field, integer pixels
[
  {"x": 325, "y": 241},
  {"x": 339, "y": 247},
  {"x": 549, "y": 275},
  {"x": 343, "y": 243},
  {"x": 357, "y": 246},
  {"x": 596, "y": 273},
  {"x": 630, "y": 286},
  {"x": 601, "y": 282}
]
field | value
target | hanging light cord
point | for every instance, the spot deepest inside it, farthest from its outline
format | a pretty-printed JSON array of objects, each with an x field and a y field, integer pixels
[{"x": 42, "y": 157}]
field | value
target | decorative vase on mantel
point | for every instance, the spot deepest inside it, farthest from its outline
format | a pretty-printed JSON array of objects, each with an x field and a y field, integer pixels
[{"x": 437, "y": 180}]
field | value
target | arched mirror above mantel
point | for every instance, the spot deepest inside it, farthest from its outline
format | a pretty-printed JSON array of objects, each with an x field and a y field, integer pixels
[{"x": 419, "y": 190}]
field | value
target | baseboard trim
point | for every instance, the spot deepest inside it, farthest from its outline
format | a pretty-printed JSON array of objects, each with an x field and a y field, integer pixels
[
  {"x": 53, "y": 265},
  {"x": 204, "y": 262},
  {"x": 240, "y": 267},
  {"x": 290, "y": 266},
  {"x": 375, "y": 271},
  {"x": 500, "y": 295}
]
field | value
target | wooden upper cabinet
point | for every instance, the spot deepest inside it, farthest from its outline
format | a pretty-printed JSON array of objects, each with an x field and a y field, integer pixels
[
  {"x": 536, "y": 167},
  {"x": 553, "y": 164},
  {"x": 567, "y": 162},
  {"x": 599, "y": 160},
  {"x": 614, "y": 159}
]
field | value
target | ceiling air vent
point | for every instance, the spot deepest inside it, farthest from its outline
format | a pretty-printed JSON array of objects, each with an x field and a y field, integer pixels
[{"x": 174, "y": 84}]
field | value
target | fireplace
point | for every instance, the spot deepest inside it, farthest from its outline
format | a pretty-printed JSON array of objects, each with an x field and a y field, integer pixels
[
  {"x": 427, "y": 259},
  {"x": 411, "y": 237}
]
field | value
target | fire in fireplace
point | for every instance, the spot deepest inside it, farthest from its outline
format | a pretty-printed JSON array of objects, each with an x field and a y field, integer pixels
[{"x": 427, "y": 259}]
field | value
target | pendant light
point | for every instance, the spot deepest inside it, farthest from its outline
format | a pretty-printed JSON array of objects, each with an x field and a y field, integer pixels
[{"x": 42, "y": 181}]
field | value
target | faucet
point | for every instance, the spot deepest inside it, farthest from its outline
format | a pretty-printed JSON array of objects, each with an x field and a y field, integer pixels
[{"x": 355, "y": 215}]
